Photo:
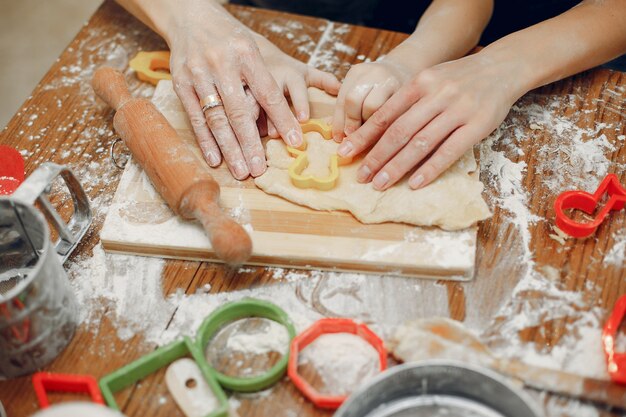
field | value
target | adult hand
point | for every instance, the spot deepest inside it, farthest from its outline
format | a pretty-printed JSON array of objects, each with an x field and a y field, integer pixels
[
  {"x": 220, "y": 61},
  {"x": 365, "y": 89},
  {"x": 433, "y": 119}
]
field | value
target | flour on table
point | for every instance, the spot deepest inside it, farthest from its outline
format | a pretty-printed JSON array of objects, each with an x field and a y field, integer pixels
[
  {"x": 616, "y": 254},
  {"x": 270, "y": 337},
  {"x": 452, "y": 202}
]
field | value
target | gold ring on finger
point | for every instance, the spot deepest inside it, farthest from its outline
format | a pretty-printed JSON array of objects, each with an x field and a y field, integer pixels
[{"x": 211, "y": 101}]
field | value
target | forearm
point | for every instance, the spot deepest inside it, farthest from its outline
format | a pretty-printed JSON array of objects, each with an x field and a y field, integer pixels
[
  {"x": 448, "y": 30},
  {"x": 586, "y": 36},
  {"x": 165, "y": 16}
]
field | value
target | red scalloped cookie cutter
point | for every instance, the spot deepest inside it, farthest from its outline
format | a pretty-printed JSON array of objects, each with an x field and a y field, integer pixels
[
  {"x": 615, "y": 362},
  {"x": 581, "y": 200},
  {"x": 11, "y": 170},
  {"x": 46, "y": 381},
  {"x": 327, "y": 326}
]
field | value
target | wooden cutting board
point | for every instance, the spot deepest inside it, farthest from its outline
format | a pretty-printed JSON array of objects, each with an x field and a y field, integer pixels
[{"x": 284, "y": 234}]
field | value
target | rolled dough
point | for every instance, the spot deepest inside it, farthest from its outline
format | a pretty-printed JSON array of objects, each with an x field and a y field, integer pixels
[{"x": 452, "y": 202}]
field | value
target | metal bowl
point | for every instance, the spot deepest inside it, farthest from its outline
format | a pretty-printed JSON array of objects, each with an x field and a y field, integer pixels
[{"x": 439, "y": 388}]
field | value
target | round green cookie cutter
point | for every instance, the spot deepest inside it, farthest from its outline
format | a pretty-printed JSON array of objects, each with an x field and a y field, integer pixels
[{"x": 240, "y": 310}]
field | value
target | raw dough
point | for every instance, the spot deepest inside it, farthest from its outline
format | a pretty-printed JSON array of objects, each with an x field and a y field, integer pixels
[
  {"x": 452, "y": 202},
  {"x": 438, "y": 338}
]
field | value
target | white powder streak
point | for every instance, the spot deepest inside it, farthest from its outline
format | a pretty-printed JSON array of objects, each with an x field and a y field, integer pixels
[{"x": 616, "y": 255}]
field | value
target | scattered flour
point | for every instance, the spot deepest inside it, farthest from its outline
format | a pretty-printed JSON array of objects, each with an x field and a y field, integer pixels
[
  {"x": 272, "y": 337},
  {"x": 343, "y": 361},
  {"x": 616, "y": 254},
  {"x": 325, "y": 55},
  {"x": 572, "y": 157},
  {"x": 559, "y": 407},
  {"x": 110, "y": 285},
  {"x": 113, "y": 285},
  {"x": 507, "y": 177}
]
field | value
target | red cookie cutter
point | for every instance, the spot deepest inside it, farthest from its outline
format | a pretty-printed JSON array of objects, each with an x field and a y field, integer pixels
[
  {"x": 11, "y": 170},
  {"x": 22, "y": 335},
  {"x": 45, "y": 381},
  {"x": 586, "y": 202},
  {"x": 327, "y": 326},
  {"x": 615, "y": 362},
  {"x": 11, "y": 176}
]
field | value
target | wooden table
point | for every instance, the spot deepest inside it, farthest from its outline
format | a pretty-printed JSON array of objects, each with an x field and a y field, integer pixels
[{"x": 72, "y": 128}]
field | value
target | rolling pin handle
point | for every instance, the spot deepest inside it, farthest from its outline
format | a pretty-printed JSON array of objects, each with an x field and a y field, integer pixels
[
  {"x": 110, "y": 85},
  {"x": 229, "y": 239}
]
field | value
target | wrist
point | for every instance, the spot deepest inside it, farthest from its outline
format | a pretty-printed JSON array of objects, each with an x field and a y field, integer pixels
[
  {"x": 510, "y": 67},
  {"x": 407, "y": 58},
  {"x": 171, "y": 18}
]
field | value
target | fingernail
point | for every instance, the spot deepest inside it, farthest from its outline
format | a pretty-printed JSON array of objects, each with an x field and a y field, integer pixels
[
  {"x": 363, "y": 173},
  {"x": 337, "y": 137},
  {"x": 302, "y": 116},
  {"x": 381, "y": 180},
  {"x": 258, "y": 166},
  {"x": 214, "y": 160},
  {"x": 345, "y": 148},
  {"x": 294, "y": 139},
  {"x": 349, "y": 130},
  {"x": 415, "y": 182},
  {"x": 241, "y": 171}
]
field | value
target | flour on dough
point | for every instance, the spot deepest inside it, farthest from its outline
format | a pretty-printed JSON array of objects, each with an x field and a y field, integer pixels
[{"x": 453, "y": 201}]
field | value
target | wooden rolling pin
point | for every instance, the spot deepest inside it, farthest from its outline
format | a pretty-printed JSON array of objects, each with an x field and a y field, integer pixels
[{"x": 181, "y": 178}]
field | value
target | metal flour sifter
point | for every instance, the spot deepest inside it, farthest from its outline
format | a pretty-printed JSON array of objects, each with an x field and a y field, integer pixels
[{"x": 38, "y": 310}]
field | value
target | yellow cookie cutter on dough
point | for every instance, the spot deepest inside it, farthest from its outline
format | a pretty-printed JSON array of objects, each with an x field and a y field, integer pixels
[
  {"x": 302, "y": 161},
  {"x": 146, "y": 64}
]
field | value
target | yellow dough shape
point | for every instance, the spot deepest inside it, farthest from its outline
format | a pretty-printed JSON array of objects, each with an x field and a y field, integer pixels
[
  {"x": 146, "y": 64},
  {"x": 302, "y": 161}
]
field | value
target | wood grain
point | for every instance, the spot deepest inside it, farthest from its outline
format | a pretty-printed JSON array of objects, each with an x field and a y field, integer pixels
[{"x": 73, "y": 128}]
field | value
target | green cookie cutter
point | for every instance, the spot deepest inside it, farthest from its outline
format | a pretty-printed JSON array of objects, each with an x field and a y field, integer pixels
[
  {"x": 240, "y": 310},
  {"x": 149, "y": 364}
]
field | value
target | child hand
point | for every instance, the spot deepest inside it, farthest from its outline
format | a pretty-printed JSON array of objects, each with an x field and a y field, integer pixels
[
  {"x": 293, "y": 78},
  {"x": 366, "y": 87}
]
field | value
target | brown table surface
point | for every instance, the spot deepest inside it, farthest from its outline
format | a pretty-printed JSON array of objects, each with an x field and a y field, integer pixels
[{"x": 73, "y": 128}]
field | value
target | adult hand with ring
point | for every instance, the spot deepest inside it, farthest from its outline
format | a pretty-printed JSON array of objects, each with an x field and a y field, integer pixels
[{"x": 214, "y": 58}]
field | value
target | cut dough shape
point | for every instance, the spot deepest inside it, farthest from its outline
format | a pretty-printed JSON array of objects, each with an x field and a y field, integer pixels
[{"x": 453, "y": 201}]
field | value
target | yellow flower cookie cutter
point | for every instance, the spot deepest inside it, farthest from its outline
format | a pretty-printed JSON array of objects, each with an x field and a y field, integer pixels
[
  {"x": 148, "y": 64},
  {"x": 302, "y": 161}
]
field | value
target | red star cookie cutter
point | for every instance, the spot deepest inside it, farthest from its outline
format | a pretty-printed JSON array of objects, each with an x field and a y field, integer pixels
[
  {"x": 581, "y": 200},
  {"x": 615, "y": 362},
  {"x": 45, "y": 381},
  {"x": 327, "y": 326},
  {"x": 11, "y": 170}
]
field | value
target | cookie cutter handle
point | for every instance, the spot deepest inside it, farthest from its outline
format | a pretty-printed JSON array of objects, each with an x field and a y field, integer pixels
[{"x": 36, "y": 188}]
